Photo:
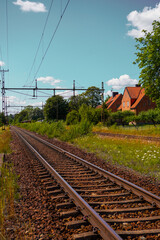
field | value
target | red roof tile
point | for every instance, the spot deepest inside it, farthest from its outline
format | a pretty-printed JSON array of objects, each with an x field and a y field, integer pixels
[
  {"x": 141, "y": 95},
  {"x": 133, "y": 92},
  {"x": 109, "y": 101},
  {"x": 114, "y": 99}
]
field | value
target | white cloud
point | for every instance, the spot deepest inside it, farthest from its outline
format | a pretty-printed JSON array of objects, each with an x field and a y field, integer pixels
[
  {"x": 66, "y": 94},
  {"x": 121, "y": 82},
  {"x": 142, "y": 20},
  {"x": 108, "y": 93},
  {"x": 2, "y": 64},
  {"x": 12, "y": 100},
  {"x": 37, "y": 104},
  {"x": 27, "y": 6},
  {"x": 51, "y": 80}
]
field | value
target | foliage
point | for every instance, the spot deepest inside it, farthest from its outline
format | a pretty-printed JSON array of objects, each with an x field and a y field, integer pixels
[
  {"x": 120, "y": 118},
  {"x": 56, "y": 108},
  {"x": 72, "y": 117},
  {"x": 75, "y": 102},
  {"x": 148, "y": 59},
  {"x": 29, "y": 113},
  {"x": 2, "y": 119},
  {"x": 8, "y": 194},
  {"x": 150, "y": 116},
  {"x": 5, "y": 138},
  {"x": 91, "y": 97}
]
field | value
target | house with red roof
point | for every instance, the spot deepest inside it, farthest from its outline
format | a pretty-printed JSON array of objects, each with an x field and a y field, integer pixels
[
  {"x": 114, "y": 102},
  {"x": 134, "y": 99}
]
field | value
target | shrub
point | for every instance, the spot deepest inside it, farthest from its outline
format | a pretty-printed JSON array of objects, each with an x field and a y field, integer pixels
[{"x": 72, "y": 117}]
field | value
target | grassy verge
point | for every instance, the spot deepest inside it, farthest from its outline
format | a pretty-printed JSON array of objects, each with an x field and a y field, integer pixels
[
  {"x": 143, "y": 158},
  {"x": 59, "y": 129},
  {"x": 8, "y": 186},
  {"x": 147, "y": 130}
]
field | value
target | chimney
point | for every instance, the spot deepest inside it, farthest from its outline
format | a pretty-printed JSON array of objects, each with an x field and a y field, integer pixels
[
  {"x": 138, "y": 85},
  {"x": 114, "y": 94}
]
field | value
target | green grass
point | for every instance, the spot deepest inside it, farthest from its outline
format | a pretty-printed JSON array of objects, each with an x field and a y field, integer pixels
[
  {"x": 142, "y": 157},
  {"x": 8, "y": 185},
  {"x": 5, "y": 138},
  {"x": 146, "y": 130}
]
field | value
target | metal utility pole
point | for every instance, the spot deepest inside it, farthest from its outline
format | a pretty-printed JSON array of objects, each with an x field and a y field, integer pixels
[
  {"x": 3, "y": 93},
  {"x": 74, "y": 88},
  {"x": 102, "y": 99}
]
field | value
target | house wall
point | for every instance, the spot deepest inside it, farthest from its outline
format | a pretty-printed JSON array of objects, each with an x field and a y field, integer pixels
[
  {"x": 126, "y": 101},
  {"x": 144, "y": 105}
]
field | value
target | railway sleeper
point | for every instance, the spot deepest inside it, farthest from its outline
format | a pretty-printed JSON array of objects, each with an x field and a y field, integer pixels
[
  {"x": 139, "y": 232},
  {"x": 129, "y": 220},
  {"x": 55, "y": 192},
  {"x": 99, "y": 190},
  {"x": 107, "y": 195},
  {"x": 86, "y": 236},
  {"x": 76, "y": 224},
  {"x": 136, "y": 200},
  {"x": 93, "y": 186},
  {"x": 82, "y": 178},
  {"x": 122, "y": 210},
  {"x": 65, "y": 205},
  {"x": 71, "y": 213}
]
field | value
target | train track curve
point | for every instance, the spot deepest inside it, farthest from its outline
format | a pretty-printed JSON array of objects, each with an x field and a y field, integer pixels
[{"x": 116, "y": 208}]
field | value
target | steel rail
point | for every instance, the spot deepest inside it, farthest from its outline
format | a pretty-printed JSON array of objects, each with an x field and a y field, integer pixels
[
  {"x": 104, "y": 230},
  {"x": 150, "y": 197}
]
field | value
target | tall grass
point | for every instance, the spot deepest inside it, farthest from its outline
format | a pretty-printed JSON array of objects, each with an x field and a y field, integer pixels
[
  {"x": 8, "y": 184},
  {"x": 5, "y": 138},
  {"x": 59, "y": 129},
  {"x": 142, "y": 157},
  {"x": 145, "y": 130}
]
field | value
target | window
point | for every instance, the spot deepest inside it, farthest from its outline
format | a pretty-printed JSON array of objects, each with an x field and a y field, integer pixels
[
  {"x": 128, "y": 104},
  {"x": 123, "y": 104}
]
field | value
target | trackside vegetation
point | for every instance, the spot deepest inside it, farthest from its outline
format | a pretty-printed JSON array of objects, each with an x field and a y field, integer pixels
[{"x": 8, "y": 184}]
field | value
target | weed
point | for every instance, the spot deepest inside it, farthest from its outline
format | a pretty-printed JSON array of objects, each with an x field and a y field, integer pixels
[{"x": 144, "y": 158}]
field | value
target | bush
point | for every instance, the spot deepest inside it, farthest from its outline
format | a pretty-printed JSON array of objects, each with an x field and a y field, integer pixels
[{"x": 72, "y": 117}]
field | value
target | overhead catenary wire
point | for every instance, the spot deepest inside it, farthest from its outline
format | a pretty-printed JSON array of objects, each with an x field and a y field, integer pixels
[
  {"x": 19, "y": 93},
  {"x": 7, "y": 32},
  {"x": 34, "y": 60},
  {"x": 53, "y": 35}
]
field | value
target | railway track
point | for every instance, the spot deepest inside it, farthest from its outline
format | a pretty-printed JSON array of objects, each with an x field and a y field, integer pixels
[{"x": 89, "y": 195}]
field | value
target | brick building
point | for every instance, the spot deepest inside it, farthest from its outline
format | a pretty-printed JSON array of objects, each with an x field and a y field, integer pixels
[
  {"x": 114, "y": 102},
  {"x": 133, "y": 99}
]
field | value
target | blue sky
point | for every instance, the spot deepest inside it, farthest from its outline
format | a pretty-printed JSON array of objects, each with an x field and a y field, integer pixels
[{"x": 94, "y": 43}]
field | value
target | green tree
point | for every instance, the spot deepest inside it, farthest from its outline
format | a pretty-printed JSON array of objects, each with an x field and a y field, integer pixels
[
  {"x": 75, "y": 102},
  {"x": 93, "y": 95},
  {"x": 56, "y": 108},
  {"x": 37, "y": 114},
  {"x": 148, "y": 59}
]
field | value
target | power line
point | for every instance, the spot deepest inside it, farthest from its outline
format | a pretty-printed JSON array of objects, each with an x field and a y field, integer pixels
[
  {"x": 7, "y": 32},
  {"x": 51, "y": 40},
  {"x": 20, "y": 93},
  {"x": 40, "y": 39}
]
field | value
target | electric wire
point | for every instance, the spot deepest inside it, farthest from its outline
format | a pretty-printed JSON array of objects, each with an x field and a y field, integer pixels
[
  {"x": 19, "y": 92},
  {"x": 40, "y": 39},
  {"x": 7, "y": 32},
  {"x": 53, "y": 35}
]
